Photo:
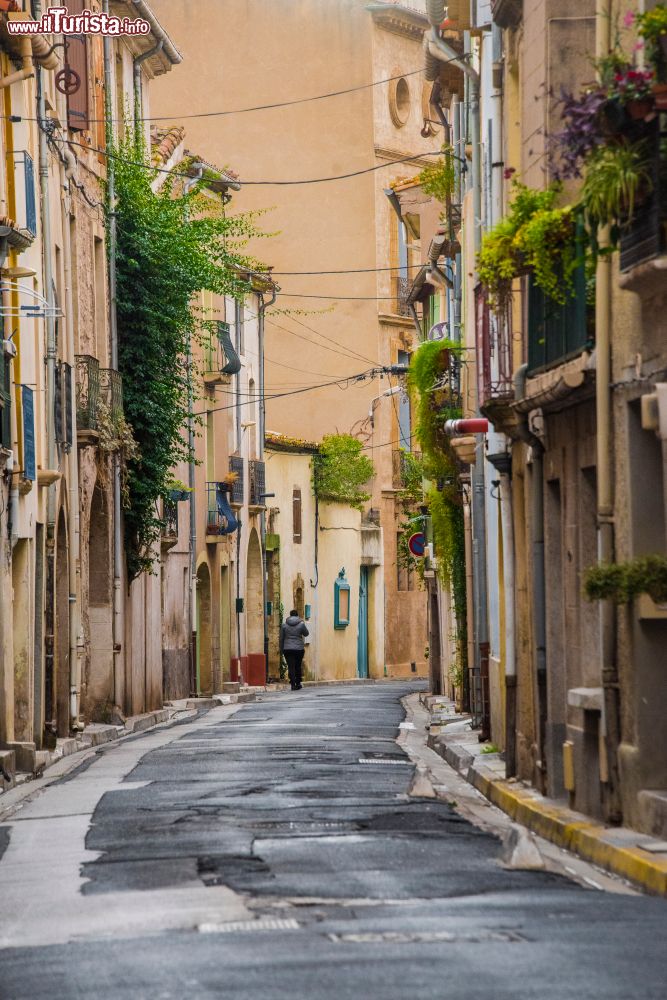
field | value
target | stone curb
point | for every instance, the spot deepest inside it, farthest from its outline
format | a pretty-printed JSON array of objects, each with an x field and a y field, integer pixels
[{"x": 614, "y": 849}]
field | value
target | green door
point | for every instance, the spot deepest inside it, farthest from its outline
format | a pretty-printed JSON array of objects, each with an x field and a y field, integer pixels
[{"x": 362, "y": 639}]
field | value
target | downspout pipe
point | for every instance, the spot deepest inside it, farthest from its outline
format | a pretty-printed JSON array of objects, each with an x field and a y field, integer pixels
[
  {"x": 144, "y": 11},
  {"x": 27, "y": 66},
  {"x": 610, "y": 719},
  {"x": 136, "y": 74},
  {"x": 538, "y": 574},
  {"x": 263, "y": 306},
  {"x": 52, "y": 457},
  {"x": 118, "y": 609},
  {"x": 75, "y": 643}
]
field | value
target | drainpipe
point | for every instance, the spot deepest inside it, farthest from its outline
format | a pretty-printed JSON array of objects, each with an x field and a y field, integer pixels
[
  {"x": 118, "y": 610},
  {"x": 75, "y": 643},
  {"x": 507, "y": 525},
  {"x": 145, "y": 12},
  {"x": 538, "y": 575},
  {"x": 27, "y": 66},
  {"x": 610, "y": 717},
  {"x": 52, "y": 457},
  {"x": 136, "y": 74},
  {"x": 263, "y": 306}
]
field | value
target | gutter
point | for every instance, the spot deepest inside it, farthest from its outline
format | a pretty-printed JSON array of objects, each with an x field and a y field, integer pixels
[
  {"x": 136, "y": 74},
  {"x": 170, "y": 50},
  {"x": 27, "y": 66}
]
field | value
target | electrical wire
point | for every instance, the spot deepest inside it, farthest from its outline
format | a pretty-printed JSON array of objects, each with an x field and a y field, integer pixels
[
  {"x": 309, "y": 180},
  {"x": 362, "y": 376},
  {"x": 362, "y": 357},
  {"x": 260, "y": 107},
  {"x": 348, "y": 270}
]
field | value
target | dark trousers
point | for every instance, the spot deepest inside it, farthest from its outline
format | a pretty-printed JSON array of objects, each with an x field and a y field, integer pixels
[{"x": 294, "y": 659}]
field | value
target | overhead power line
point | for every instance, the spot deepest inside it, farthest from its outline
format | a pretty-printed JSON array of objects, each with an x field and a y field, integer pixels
[
  {"x": 243, "y": 183},
  {"x": 267, "y": 107}
]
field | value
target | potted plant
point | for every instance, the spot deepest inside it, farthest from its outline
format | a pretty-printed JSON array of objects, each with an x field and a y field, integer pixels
[
  {"x": 617, "y": 179},
  {"x": 652, "y": 27},
  {"x": 632, "y": 89}
]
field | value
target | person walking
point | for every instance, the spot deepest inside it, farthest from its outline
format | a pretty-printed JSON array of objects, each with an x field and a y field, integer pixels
[{"x": 292, "y": 634}]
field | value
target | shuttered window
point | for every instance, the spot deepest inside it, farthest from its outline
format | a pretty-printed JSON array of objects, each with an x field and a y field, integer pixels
[
  {"x": 296, "y": 516},
  {"x": 78, "y": 115}
]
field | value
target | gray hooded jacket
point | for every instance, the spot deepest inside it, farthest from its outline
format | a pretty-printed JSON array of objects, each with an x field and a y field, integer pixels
[{"x": 292, "y": 634}]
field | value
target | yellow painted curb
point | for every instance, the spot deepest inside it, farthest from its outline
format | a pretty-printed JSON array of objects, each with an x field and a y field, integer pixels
[{"x": 587, "y": 839}]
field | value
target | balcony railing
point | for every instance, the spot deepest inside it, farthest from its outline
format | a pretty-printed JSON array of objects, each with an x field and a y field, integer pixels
[
  {"x": 236, "y": 468},
  {"x": 169, "y": 523},
  {"x": 257, "y": 482},
  {"x": 220, "y": 519},
  {"x": 645, "y": 237},
  {"x": 557, "y": 332},
  {"x": 401, "y": 292},
  {"x": 493, "y": 350},
  {"x": 87, "y": 391},
  {"x": 111, "y": 393}
]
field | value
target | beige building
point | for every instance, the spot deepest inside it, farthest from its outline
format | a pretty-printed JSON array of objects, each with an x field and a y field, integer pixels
[
  {"x": 67, "y": 638},
  {"x": 325, "y": 561},
  {"x": 350, "y": 321}
]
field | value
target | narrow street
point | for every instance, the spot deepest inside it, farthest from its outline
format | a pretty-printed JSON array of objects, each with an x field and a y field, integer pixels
[{"x": 273, "y": 850}]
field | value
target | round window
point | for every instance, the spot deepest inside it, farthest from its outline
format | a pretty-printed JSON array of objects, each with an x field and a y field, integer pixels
[{"x": 399, "y": 101}]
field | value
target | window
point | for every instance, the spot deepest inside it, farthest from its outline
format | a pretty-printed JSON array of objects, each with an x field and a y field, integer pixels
[
  {"x": 5, "y": 402},
  {"x": 404, "y": 422},
  {"x": 296, "y": 516},
  {"x": 405, "y": 574},
  {"x": 399, "y": 101}
]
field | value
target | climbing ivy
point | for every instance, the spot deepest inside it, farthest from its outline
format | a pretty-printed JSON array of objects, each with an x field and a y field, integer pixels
[
  {"x": 341, "y": 471},
  {"x": 435, "y": 401},
  {"x": 171, "y": 244}
]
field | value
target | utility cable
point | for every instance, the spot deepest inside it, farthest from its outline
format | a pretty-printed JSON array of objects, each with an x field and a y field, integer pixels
[
  {"x": 304, "y": 181},
  {"x": 362, "y": 376}
]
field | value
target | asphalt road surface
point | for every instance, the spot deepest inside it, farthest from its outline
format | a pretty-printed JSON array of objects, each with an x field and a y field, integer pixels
[{"x": 273, "y": 852}]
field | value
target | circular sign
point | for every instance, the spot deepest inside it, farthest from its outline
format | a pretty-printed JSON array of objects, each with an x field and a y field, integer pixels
[{"x": 417, "y": 544}]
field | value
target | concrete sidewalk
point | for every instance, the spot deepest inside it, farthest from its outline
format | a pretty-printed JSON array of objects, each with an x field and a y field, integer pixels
[
  {"x": 635, "y": 856},
  {"x": 22, "y": 762}
]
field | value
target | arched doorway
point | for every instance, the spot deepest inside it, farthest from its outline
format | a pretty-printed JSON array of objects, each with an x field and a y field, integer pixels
[
  {"x": 61, "y": 646},
  {"x": 204, "y": 665},
  {"x": 254, "y": 596},
  {"x": 100, "y": 668}
]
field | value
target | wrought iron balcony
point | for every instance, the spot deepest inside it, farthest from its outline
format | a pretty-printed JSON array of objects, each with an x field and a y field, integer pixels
[
  {"x": 220, "y": 519},
  {"x": 87, "y": 391},
  {"x": 111, "y": 393},
  {"x": 557, "y": 332},
  {"x": 493, "y": 350},
  {"x": 169, "y": 523},
  {"x": 236, "y": 468},
  {"x": 401, "y": 291},
  {"x": 257, "y": 483},
  {"x": 645, "y": 236}
]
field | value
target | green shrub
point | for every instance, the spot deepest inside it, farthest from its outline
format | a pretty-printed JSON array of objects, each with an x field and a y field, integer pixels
[{"x": 341, "y": 471}]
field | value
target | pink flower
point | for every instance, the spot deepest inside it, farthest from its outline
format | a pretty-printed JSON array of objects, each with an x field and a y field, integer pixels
[
  {"x": 638, "y": 46},
  {"x": 629, "y": 18}
]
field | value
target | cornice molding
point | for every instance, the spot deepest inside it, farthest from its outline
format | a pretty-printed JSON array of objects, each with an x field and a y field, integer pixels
[
  {"x": 399, "y": 20},
  {"x": 393, "y": 155}
]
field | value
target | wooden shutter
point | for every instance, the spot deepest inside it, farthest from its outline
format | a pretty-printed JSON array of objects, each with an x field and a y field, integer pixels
[
  {"x": 78, "y": 115},
  {"x": 296, "y": 516}
]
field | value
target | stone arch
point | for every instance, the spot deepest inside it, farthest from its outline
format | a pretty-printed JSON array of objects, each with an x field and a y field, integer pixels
[
  {"x": 254, "y": 596},
  {"x": 204, "y": 658}
]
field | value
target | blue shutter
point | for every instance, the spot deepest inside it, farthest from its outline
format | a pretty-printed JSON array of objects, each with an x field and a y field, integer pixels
[{"x": 28, "y": 407}]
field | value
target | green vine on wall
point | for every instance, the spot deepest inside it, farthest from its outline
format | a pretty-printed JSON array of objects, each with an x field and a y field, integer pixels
[
  {"x": 170, "y": 246},
  {"x": 435, "y": 396},
  {"x": 341, "y": 472}
]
